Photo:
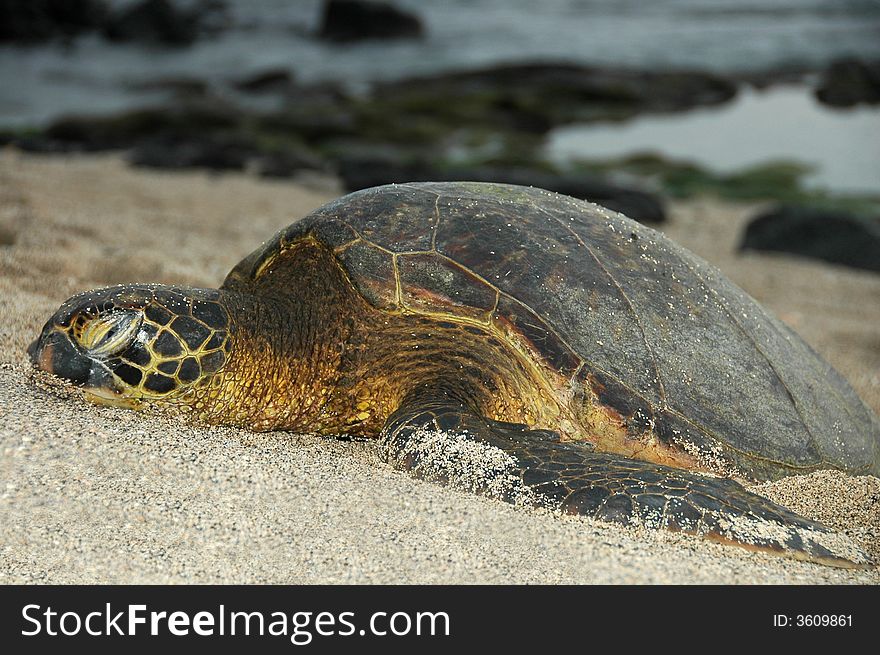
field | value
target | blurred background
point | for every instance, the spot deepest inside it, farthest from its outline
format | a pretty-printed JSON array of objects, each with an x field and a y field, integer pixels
[{"x": 629, "y": 104}]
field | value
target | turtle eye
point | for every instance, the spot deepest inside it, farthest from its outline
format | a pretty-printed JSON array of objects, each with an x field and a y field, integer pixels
[{"x": 104, "y": 336}]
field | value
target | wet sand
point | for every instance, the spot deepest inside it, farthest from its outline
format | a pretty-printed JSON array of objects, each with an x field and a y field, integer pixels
[{"x": 91, "y": 494}]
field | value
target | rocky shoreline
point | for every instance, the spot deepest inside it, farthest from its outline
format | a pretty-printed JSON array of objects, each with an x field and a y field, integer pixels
[{"x": 488, "y": 123}]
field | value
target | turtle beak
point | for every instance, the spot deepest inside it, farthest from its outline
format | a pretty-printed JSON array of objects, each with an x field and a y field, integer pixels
[
  {"x": 32, "y": 350},
  {"x": 54, "y": 353}
]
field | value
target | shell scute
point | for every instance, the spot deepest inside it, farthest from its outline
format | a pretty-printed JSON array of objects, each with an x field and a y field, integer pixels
[
  {"x": 511, "y": 314},
  {"x": 428, "y": 281},
  {"x": 372, "y": 272},
  {"x": 412, "y": 213}
]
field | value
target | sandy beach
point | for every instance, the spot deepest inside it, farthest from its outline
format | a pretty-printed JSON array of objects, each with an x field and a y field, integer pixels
[{"x": 99, "y": 495}]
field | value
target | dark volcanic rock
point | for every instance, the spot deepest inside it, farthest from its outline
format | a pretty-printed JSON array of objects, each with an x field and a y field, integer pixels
[
  {"x": 361, "y": 173},
  {"x": 285, "y": 163},
  {"x": 212, "y": 152},
  {"x": 790, "y": 73},
  {"x": 833, "y": 236},
  {"x": 537, "y": 97},
  {"x": 37, "y": 20},
  {"x": 179, "y": 87},
  {"x": 353, "y": 20},
  {"x": 38, "y": 143},
  {"x": 849, "y": 82},
  {"x": 159, "y": 21},
  {"x": 153, "y": 21},
  {"x": 315, "y": 114},
  {"x": 269, "y": 81},
  {"x": 127, "y": 129}
]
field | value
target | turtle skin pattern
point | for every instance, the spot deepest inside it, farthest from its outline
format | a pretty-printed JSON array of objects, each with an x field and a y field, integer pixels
[
  {"x": 538, "y": 469},
  {"x": 183, "y": 336}
]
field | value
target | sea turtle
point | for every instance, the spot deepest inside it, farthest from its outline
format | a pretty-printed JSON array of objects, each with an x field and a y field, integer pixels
[{"x": 516, "y": 342}]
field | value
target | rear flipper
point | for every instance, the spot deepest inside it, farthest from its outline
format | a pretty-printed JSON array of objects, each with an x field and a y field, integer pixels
[{"x": 443, "y": 443}]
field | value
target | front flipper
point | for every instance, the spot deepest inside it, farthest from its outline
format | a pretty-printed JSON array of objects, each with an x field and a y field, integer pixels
[{"x": 444, "y": 443}]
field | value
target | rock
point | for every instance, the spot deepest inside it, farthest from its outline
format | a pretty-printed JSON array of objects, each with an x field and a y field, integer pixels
[
  {"x": 360, "y": 173},
  {"x": 37, "y": 20},
  {"x": 314, "y": 113},
  {"x": 538, "y": 97},
  {"x": 121, "y": 131},
  {"x": 38, "y": 143},
  {"x": 212, "y": 152},
  {"x": 269, "y": 81},
  {"x": 354, "y": 20},
  {"x": 849, "y": 82},
  {"x": 159, "y": 21},
  {"x": 154, "y": 21},
  {"x": 179, "y": 87},
  {"x": 788, "y": 73},
  {"x": 288, "y": 162},
  {"x": 833, "y": 236}
]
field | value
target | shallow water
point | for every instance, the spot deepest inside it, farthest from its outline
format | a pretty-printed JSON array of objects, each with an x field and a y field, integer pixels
[
  {"x": 39, "y": 83},
  {"x": 781, "y": 123}
]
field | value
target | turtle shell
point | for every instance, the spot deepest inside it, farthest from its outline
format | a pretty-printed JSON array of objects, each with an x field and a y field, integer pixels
[{"x": 655, "y": 332}]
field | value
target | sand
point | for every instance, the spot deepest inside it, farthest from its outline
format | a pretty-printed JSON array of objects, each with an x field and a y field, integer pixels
[{"x": 91, "y": 494}]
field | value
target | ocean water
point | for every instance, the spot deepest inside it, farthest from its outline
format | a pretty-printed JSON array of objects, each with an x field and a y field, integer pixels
[
  {"x": 779, "y": 123},
  {"x": 40, "y": 83}
]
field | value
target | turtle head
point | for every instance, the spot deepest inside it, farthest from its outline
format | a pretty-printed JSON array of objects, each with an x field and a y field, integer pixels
[{"x": 131, "y": 343}]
